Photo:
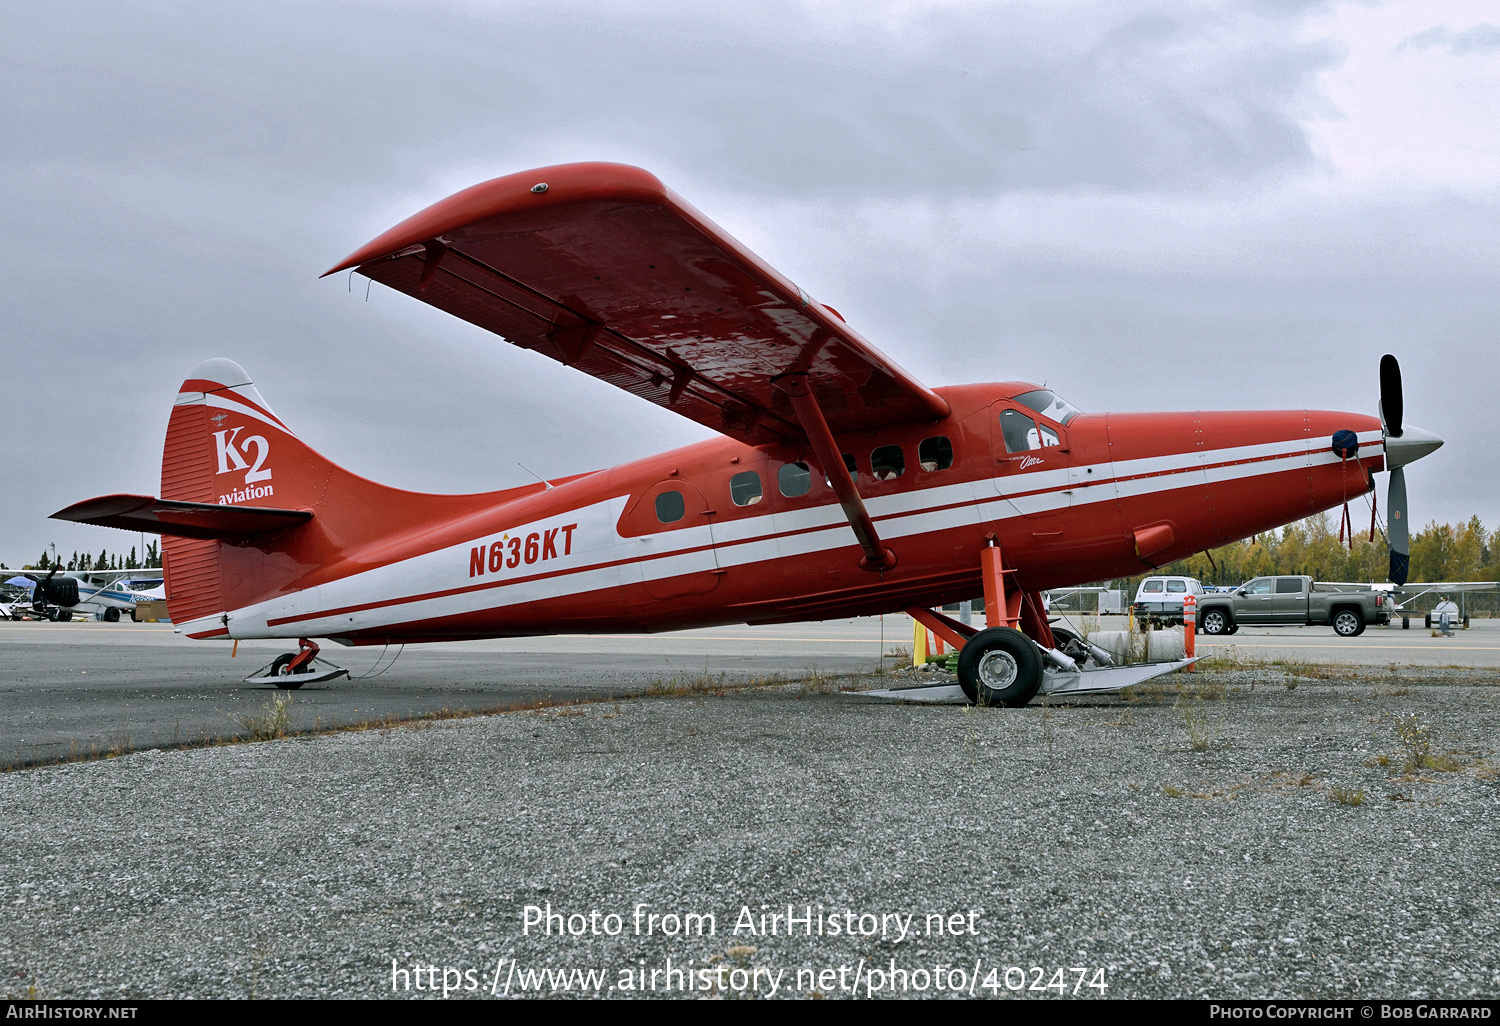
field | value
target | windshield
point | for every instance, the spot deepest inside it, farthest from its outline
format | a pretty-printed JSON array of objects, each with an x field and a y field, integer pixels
[{"x": 1049, "y": 404}]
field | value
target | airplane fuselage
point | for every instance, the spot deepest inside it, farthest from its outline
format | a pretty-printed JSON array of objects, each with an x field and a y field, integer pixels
[{"x": 722, "y": 532}]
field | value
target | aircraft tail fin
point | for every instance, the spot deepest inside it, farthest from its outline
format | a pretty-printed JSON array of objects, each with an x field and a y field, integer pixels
[
  {"x": 249, "y": 512},
  {"x": 226, "y": 447}
]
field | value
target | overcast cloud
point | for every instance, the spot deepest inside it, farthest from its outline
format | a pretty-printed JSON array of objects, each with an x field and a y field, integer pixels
[{"x": 1149, "y": 205}]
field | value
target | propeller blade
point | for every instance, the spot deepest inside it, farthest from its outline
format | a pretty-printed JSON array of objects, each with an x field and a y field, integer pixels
[
  {"x": 1398, "y": 537},
  {"x": 1392, "y": 406}
]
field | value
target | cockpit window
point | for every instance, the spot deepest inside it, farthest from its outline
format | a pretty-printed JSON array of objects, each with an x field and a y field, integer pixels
[
  {"x": 1049, "y": 404},
  {"x": 1021, "y": 433}
]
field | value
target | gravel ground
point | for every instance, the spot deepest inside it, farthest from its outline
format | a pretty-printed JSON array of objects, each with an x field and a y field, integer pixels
[{"x": 1090, "y": 835}]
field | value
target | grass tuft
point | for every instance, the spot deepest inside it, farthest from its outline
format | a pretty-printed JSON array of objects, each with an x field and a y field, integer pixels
[{"x": 271, "y": 722}]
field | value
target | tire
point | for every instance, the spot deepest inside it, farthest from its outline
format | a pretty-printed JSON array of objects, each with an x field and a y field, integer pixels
[
  {"x": 55, "y": 615},
  {"x": 1347, "y": 623},
  {"x": 278, "y": 670},
  {"x": 1234, "y": 628},
  {"x": 1427, "y": 621},
  {"x": 1000, "y": 666},
  {"x": 1406, "y": 623},
  {"x": 1216, "y": 621},
  {"x": 111, "y": 615}
]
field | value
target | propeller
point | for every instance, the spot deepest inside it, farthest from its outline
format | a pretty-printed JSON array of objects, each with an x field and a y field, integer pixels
[
  {"x": 1403, "y": 445},
  {"x": 39, "y": 595}
]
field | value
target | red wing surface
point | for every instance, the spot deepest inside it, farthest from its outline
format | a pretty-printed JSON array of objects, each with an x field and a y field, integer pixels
[{"x": 602, "y": 268}]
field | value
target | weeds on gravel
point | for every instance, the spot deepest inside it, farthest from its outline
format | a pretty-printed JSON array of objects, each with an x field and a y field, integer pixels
[
  {"x": 971, "y": 734},
  {"x": 1415, "y": 735},
  {"x": 1047, "y": 732},
  {"x": 1231, "y": 658},
  {"x": 1346, "y": 796},
  {"x": 1202, "y": 730},
  {"x": 271, "y": 722}
]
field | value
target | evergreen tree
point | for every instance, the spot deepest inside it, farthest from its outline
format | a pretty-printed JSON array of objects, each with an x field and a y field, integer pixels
[
  {"x": 102, "y": 563},
  {"x": 153, "y": 554},
  {"x": 73, "y": 563},
  {"x": 44, "y": 563},
  {"x": 130, "y": 560}
]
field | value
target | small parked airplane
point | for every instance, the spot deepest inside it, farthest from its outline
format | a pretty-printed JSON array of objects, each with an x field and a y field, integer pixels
[
  {"x": 842, "y": 485},
  {"x": 61, "y": 595}
]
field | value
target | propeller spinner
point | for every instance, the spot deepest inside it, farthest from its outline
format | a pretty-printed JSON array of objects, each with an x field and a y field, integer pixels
[{"x": 1403, "y": 445}]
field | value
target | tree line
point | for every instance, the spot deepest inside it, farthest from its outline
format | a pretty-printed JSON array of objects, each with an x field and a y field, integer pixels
[
  {"x": 1439, "y": 552},
  {"x": 104, "y": 561}
]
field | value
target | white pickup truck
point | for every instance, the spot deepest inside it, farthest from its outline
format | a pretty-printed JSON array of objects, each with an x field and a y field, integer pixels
[{"x": 1158, "y": 601}]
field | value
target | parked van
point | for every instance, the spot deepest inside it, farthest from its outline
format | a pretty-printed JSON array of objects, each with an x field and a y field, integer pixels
[{"x": 1158, "y": 601}]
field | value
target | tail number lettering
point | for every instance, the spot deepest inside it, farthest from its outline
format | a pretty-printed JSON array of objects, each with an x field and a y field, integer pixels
[
  {"x": 509, "y": 553},
  {"x": 230, "y": 458}
]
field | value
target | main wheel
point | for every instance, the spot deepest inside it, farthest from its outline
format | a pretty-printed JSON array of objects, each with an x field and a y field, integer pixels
[
  {"x": 111, "y": 615},
  {"x": 279, "y": 670},
  {"x": 1427, "y": 621},
  {"x": 1215, "y": 621},
  {"x": 1347, "y": 623},
  {"x": 55, "y": 615},
  {"x": 1000, "y": 666},
  {"x": 1406, "y": 623}
]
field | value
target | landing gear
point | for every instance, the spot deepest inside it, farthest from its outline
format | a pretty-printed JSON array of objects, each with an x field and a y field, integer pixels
[
  {"x": 999, "y": 666},
  {"x": 294, "y": 665},
  {"x": 111, "y": 615}
]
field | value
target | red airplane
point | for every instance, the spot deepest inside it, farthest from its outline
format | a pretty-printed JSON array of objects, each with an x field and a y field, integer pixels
[{"x": 841, "y": 486}]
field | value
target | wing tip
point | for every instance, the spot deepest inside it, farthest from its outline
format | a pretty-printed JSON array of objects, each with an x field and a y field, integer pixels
[{"x": 514, "y": 193}]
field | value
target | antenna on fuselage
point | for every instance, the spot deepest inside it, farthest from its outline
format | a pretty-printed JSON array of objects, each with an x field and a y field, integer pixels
[{"x": 545, "y": 483}]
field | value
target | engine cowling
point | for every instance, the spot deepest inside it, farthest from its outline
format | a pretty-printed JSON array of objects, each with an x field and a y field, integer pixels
[{"x": 60, "y": 591}]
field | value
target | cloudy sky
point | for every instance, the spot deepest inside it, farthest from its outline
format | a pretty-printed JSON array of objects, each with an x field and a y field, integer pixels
[{"x": 1148, "y": 205}]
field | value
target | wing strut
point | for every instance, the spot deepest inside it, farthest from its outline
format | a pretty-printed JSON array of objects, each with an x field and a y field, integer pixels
[{"x": 877, "y": 557}]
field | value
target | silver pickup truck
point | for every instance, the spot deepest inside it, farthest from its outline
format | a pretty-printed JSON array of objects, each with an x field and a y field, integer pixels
[{"x": 1270, "y": 601}]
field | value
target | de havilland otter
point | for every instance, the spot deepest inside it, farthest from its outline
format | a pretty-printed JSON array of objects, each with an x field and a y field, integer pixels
[{"x": 840, "y": 485}]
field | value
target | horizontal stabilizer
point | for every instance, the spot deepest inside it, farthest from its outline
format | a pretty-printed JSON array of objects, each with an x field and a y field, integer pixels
[{"x": 183, "y": 519}]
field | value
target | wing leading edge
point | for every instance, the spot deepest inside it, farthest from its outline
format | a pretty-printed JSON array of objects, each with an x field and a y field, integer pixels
[{"x": 602, "y": 268}]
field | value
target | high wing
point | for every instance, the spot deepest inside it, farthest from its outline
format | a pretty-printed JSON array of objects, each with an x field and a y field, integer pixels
[
  {"x": 183, "y": 519},
  {"x": 602, "y": 268}
]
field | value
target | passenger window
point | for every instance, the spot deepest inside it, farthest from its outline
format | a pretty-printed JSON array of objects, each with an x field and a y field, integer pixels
[
  {"x": 670, "y": 507},
  {"x": 848, "y": 465},
  {"x": 887, "y": 463},
  {"x": 1289, "y": 586},
  {"x": 1177, "y": 587},
  {"x": 744, "y": 488},
  {"x": 794, "y": 479},
  {"x": 1259, "y": 587},
  {"x": 935, "y": 454},
  {"x": 1021, "y": 433},
  {"x": 1152, "y": 586}
]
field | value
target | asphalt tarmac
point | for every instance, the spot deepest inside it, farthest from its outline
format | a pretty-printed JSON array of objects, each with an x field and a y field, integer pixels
[{"x": 82, "y": 688}]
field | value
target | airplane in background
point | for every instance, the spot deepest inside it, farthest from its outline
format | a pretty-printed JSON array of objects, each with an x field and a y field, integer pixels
[
  {"x": 840, "y": 485},
  {"x": 59, "y": 595}
]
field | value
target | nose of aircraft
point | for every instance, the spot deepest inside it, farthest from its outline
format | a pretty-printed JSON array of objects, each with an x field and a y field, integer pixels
[{"x": 1412, "y": 444}]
